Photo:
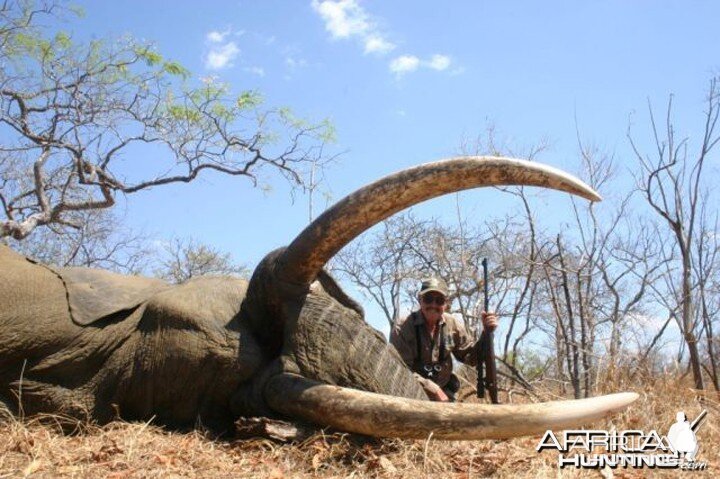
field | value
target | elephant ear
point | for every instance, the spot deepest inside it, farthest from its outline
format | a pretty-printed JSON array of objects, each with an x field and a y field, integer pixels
[{"x": 94, "y": 294}]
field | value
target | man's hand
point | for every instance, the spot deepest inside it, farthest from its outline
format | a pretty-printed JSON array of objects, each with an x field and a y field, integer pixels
[
  {"x": 438, "y": 395},
  {"x": 433, "y": 391},
  {"x": 489, "y": 320}
]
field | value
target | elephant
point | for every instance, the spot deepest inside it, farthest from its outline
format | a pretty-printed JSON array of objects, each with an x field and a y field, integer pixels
[{"x": 288, "y": 343}]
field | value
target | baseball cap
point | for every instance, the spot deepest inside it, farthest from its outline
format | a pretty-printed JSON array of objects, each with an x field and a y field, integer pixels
[{"x": 433, "y": 284}]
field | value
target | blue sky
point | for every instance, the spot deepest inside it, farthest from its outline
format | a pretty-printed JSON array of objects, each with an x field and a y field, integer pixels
[{"x": 405, "y": 81}]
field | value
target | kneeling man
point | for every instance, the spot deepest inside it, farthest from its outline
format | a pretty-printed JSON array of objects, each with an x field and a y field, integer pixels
[{"x": 427, "y": 337}]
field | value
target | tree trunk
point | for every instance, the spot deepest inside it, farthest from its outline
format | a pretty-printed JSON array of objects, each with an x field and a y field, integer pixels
[{"x": 687, "y": 319}]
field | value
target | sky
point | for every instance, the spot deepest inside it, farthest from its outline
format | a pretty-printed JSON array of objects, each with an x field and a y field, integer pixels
[{"x": 405, "y": 82}]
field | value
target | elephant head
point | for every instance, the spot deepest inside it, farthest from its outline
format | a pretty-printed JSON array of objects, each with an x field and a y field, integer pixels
[{"x": 331, "y": 368}]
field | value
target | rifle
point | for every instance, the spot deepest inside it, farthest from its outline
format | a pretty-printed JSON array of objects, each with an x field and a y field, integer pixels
[{"x": 486, "y": 352}]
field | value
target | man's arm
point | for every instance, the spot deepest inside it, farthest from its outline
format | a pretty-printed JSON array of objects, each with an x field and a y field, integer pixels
[{"x": 465, "y": 349}]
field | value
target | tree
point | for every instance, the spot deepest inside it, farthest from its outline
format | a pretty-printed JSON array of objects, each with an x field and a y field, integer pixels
[
  {"x": 184, "y": 259},
  {"x": 672, "y": 181},
  {"x": 99, "y": 241},
  {"x": 707, "y": 272},
  {"x": 382, "y": 265},
  {"x": 630, "y": 265},
  {"x": 78, "y": 120}
]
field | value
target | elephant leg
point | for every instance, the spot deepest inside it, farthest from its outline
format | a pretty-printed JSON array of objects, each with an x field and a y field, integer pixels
[{"x": 34, "y": 397}]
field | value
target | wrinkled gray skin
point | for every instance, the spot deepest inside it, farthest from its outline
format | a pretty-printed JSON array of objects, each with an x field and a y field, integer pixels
[{"x": 197, "y": 352}]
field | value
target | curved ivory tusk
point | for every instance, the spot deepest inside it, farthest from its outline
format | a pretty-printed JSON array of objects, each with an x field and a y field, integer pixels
[
  {"x": 359, "y": 211},
  {"x": 388, "y": 416}
]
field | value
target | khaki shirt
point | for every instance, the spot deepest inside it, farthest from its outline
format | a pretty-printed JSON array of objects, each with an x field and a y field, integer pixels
[{"x": 457, "y": 341}]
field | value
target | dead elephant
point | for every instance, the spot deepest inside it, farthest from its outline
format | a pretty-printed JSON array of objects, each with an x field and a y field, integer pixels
[{"x": 290, "y": 343}]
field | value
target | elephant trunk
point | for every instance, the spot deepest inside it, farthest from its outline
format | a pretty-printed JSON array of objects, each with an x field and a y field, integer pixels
[
  {"x": 332, "y": 343},
  {"x": 386, "y": 416},
  {"x": 359, "y": 211}
]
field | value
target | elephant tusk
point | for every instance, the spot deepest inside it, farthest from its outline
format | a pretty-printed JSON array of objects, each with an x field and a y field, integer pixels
[
  {"x": 388, "y": 416},
  {"x": 369, "y": 205}
]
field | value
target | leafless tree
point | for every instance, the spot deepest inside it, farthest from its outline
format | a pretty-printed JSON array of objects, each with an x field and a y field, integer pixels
[
  {"x": 707, "y": 273},
  {"x": 82, "y": 123},
  {"x": 595, "y": 276},
  {"x": 630, "y": 264},
  {"x": 184, "y": 259},
  {"x": 515, "y": 248},
  {"x": 382, "y": 265},
  {"x": 672, "y": 182},
  {"x": 100, "y": 241}
]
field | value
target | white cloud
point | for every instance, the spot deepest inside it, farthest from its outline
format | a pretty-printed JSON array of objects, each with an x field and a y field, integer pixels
[
  {"x": 220, "y": 50},
  {"x": 221, "y": 56},
  {"x": 346, "y": 19},
  {"x": 404, "y": 64},
  {"x": 377, "y": 44},
  {"x": 343, "y": 18},
  {"x": 439, "y": 62},
  {"x": 215, "y": 36},
  {"x": 410, "y": 63},
  {"x": 255, "y": 70}
]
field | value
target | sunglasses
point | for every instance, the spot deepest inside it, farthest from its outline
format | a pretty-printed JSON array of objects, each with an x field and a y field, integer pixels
[{"x": 434, "y": 298}]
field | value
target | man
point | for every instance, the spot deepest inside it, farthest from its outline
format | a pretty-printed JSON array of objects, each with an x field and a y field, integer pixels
[{"x": 426, "y": 338}]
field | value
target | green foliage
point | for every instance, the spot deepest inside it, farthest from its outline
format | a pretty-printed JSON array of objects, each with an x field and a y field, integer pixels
[
  {"x": 23, "y": 43},
  {"x": 151, "y": 57},
  {"x": 248, "y": 100},
  {"x": 62, "y": 40},
  {"x": 105, "y": 97},
  {"x": 209, "y": 92},
  {"x": 221, "y": 111},
  {"x": 289, "y": 117},
  {"x": 27, "y": 44},
  {"x": 182, "y": 112},
  {"x": 174, "y": 68},
  {"x": 328, "y": 132}
]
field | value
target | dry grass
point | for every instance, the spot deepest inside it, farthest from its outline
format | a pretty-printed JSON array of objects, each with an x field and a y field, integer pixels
[{"x": 125, "y": 450}]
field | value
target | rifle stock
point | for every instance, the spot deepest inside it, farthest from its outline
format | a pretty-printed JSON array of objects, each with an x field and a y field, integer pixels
[
  {"x": 486, "y": 368},
  {"x": 481, "y": 360},
  {"x": 490, "y": 368}
]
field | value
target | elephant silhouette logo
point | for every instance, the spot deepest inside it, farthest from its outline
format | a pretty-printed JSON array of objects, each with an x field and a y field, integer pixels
[{"x": 682, "y": 437}]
